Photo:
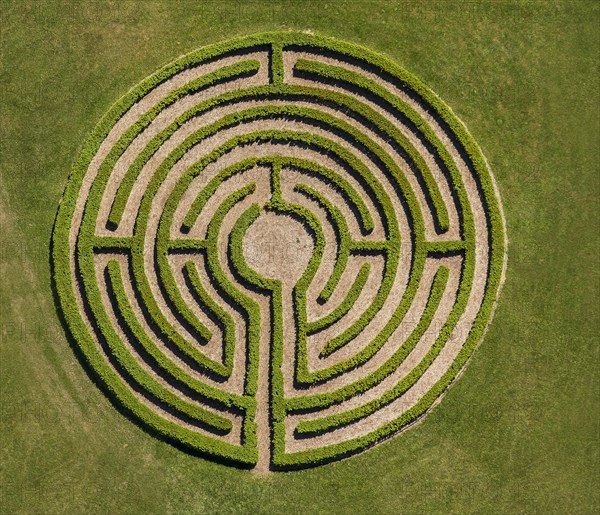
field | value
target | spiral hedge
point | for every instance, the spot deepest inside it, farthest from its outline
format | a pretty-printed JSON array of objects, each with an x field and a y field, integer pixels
[{"x": 159, "y": 264}]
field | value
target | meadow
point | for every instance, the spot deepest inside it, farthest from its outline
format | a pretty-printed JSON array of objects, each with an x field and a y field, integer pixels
[{"x": 518, "y": 432}]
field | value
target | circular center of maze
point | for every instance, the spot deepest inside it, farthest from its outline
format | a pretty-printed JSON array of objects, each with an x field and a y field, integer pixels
[
  {"x": 278, "y": 251},
  {"x": 278, "y": 247}
]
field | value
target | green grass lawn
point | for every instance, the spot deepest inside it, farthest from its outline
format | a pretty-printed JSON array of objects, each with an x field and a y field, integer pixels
[{"x": 518, "y": 433}]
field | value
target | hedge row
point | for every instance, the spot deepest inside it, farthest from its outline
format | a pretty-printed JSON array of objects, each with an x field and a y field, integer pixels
[
  {"x": 220, "y": 76},
  {"x": 274, "y": 287},
  {"x": 340, "y": 153},
  {"x": 466, "y": 145},
  {"x": 140, "y": 375},
  {"x": 245, "y": 404},
  {"x": 374, "y": 120},
  {"x": 289, "y": 111},
  {"x": 330, "y": 422},
  {"x": 342, "y": 76},
  {"x": 114, "y": 385},
  {"x": 344, "y": 249}
]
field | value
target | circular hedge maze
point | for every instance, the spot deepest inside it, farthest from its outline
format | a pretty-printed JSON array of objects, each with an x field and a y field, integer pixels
[{"x": 278, "y": 251}]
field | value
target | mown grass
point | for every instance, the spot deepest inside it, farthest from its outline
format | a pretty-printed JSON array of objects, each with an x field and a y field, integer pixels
[{"x": 518, "y": 433}]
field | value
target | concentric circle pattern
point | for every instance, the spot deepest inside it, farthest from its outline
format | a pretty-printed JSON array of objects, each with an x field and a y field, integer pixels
[{"x": 278, "y": 251}]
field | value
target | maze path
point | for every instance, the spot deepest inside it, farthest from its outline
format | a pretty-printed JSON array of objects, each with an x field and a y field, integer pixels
[{"x": 279, "y": 250}]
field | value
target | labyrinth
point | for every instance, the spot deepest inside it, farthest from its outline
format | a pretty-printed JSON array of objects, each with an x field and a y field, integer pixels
[{"x": 278, "y": 251}]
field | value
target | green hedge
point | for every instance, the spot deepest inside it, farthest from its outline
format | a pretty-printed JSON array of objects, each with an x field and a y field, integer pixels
[{"x": 350, "y": 84}]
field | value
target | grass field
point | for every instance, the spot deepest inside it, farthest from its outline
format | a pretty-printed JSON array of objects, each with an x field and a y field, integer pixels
[{"x": 518, "y": 433}]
